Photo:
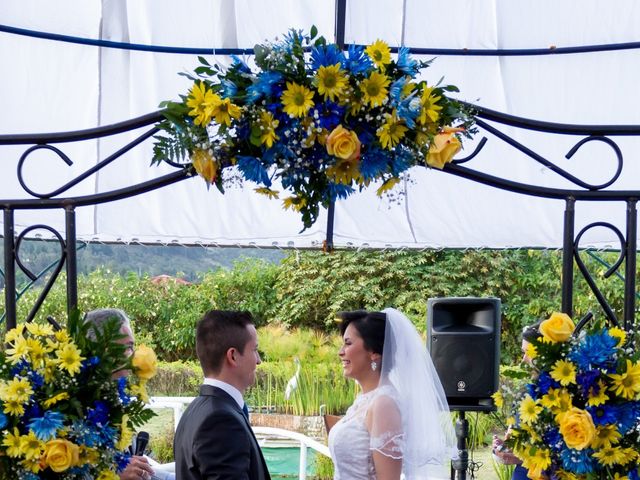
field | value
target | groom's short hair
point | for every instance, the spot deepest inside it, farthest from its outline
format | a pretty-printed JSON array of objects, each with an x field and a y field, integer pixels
[{"x": 216, "y": 333}]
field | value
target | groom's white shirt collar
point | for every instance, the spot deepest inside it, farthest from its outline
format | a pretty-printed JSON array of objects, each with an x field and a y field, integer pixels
[{"x": 230, "y": 389}]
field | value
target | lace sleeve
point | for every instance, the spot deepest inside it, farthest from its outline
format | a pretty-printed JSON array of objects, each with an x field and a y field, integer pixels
[{"x": 386, "y": 432}]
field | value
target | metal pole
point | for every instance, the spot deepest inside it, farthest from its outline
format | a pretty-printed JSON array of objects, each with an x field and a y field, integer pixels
[
  {"x": 72, "y": 267},
  {"x": 567, "y": 256},
  {"x": 9, "y": 270},
  {"x": 630, "y": 265},
  {"x": 461, "y": 464}
]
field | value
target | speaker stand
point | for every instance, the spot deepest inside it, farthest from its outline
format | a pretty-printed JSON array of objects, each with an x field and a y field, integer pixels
[{"x": 461, "y": 464}]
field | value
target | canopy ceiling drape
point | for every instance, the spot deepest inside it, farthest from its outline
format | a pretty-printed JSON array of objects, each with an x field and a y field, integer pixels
[{"x": 50, "y": 86}]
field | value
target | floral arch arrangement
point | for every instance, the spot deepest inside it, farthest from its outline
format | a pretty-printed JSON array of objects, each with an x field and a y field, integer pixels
[
  {"x": 579, "y": 416},
  {"x": 64, "y": 415},
  {"x": 322, "y": 121}
]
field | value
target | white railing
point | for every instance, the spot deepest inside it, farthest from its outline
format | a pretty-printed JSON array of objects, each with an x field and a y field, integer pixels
[{"x": 178, "y": 404}]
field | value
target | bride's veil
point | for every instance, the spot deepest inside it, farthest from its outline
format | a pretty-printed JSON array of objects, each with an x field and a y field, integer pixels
[{"x": 429, "y": 441}]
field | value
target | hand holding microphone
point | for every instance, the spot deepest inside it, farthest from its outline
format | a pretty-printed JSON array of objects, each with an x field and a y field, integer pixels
[{"x": 142, "y": 440}]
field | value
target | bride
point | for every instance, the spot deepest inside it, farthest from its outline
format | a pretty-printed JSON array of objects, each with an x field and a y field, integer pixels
[{"x": 400, "y": 423}]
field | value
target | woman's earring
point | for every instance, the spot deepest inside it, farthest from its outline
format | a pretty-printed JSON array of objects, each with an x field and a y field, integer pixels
[{"x": 374, "y": 366}]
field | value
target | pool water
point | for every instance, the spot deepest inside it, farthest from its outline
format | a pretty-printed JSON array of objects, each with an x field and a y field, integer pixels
[{"x": 283, "y": 462}]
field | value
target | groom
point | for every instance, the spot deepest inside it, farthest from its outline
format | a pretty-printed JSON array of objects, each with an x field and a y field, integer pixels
[{"x": 214, "y": 439}]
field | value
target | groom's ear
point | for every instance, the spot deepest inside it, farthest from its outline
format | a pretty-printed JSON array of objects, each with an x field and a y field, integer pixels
[{"x": 231, "y": 356}]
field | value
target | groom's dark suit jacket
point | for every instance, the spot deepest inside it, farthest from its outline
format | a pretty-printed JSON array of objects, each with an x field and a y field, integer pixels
[{"x": 214, "y": 441}]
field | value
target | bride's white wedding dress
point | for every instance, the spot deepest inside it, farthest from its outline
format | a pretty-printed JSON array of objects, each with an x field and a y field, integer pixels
[
  {"x": 421, "y": 435},
  {"x": 351, "y": 445}
]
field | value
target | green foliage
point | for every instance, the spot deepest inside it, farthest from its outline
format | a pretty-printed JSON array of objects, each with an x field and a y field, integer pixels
[{"x": 176, "y": 379}]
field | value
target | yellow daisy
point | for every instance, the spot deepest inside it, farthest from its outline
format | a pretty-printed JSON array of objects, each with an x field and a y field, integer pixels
[
  {"x": 267, "y": 129},
  {"x": 37, "y": 351},
  {"x": 498, "y": 399},
  {"x": 126, "y": 434},
  {"x": 268, "y": 192},
  {"x": 13, "y": 443},
  {"x": 599, "y": 398},
  {"x": 627, "y": 384},
  {"x": 606, "y": 435},
  {"x": 552, "y": 399},
  {"x": 380, "y": 53},
  {"x": 69, "y": 358},
  {"x": 13, "y": 407},
  {"x": 39, "y": 330},
  {"x": 30, "y": 446},
  {"x": 344, "y": 172},
  {"x": 108, "y": 475},
  {"x": 18, "y": 351},
  {"x": 531, "y": 351},
  {"x": 609, "y": 456},
  {"x": 374, "y": 89},
  {"x": 223, "y": 110},
  {"x": 429, "y": 112},
  {"x": 391, "y": 132},
  {"x": 564, "y": 372},
  {"x": 294, "y": 203},
  {"x": 51, "y": 401},
  {"x": 330, "y": 81},
  {"x": 388, "y": 185},
  {"x": 14, "y": 333},
  {"x": 618, "y": 333},
  {"x": 18, "y": 389},
  {"x": 297, "y": 100},
  {"x": 201, "y": 100},
  {"x": 529, "y": 410}
]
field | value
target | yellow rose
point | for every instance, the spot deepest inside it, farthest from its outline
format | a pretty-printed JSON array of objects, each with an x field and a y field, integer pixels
[
  {"x": 343, "y": 143},
  {"x": 443, "y": 147},
  {"x": 577, "y": 428},
  {"x": 60, "y": 455},
  {"x": 557, "y": 328},
  {"x": 145, "y": 362},
  {"x": 204, "y": 164}
]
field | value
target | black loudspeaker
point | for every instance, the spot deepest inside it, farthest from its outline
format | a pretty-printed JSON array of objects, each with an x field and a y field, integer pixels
[{"x": 463, "y": 337}]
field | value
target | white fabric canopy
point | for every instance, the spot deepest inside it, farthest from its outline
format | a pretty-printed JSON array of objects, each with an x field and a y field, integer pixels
[{"x": 49, "y": 86}]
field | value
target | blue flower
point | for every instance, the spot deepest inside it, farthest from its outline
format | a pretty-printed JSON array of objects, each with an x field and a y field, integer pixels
[
  {"x": 122, "y": 392},
  {"x": 603, "y": 414},
  {"x": 595, "y": 351},
  {"x": 99, "y": 414},
  {"x": 3, "y": 420},
  {"x": 628, "y": 414},
  {"x": 408, "y": 110},
  {"x": 19, "y": 368},
  {"x": 326, "y": 55},
  {"x": 401, "y": 161},
  {"x": 633, "y": 474},
  {"x": 229, "y": 89},
  {"x": 87, "y": 434},
  {"x": 264, "y": 86},
  {"x": 122, "y": 460},
  {"x": 253, "y": 170},
  {"x": 373, "y": 163},
  {"x": 338, "y": 190},
  {"x": 406, "y": 63},
  {"x": 329, "y": 114},
  {"x": 553, "y": 438},
  {"x": 239, "y": 65},
  {"x": 45, "y": 427},
  {"x": 90, "y": 363},
  {"x": 577, "y": 461},
  {"x": 588, "y": 380},
  {"x": 358, "y": 61},
  {"x": 395, "y": 90},
  {"x": 545, "y": 383}
]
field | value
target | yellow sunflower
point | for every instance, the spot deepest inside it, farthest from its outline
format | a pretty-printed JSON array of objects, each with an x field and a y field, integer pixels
[
  {"x": 267, "y": 129},
  {"x": 529, "y": 410},
  {"x": 297, "y": 100},
  {"x": 380, "y": 53},
  {"x": 294, "y": 203},
  {"x": 13, "y": 442},
  {"x": 344, "y": 172},
  {"x": 606, "y": 435},
  {"x": 564, "y": 372},
  {"x": 391, "y": 132},
  {"x": 374, "y": 89},
  {"x": 609, "y": 456},
  {"x": 223, "y": 110},
  {"x": 330, "y": 81},
  {"x": 429, "y": 112},
  {"x": 619, "y": 334},
  {"x": 627, "y": 384},
  {"x": 69, "y": 358},
  {"x": 201, "y": 100}
]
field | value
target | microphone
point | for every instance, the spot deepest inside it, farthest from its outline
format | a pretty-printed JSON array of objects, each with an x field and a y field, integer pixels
[{"x": 142, "y": 440}]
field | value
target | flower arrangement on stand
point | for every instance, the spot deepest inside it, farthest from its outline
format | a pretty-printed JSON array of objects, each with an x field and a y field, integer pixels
[
  {"x": 64, "y": 415},
  {"x": 322, "y": 121},
  {"x": 579, "y": 416}
]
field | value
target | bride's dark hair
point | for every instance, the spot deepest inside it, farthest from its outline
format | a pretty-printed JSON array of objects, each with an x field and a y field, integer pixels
[{"x": 370, "y": 326}]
